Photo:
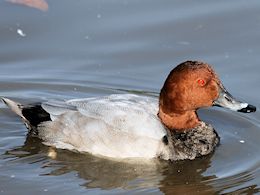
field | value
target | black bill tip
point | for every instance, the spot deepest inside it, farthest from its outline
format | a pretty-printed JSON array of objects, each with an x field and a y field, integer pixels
[{"x": 249, "y": 108}]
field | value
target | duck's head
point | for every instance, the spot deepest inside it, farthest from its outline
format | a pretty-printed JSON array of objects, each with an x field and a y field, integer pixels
[{"x": 190, "y": 86}]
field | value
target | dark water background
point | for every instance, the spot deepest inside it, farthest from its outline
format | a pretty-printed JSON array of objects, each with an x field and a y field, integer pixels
[{"x": 99, "y": 47}]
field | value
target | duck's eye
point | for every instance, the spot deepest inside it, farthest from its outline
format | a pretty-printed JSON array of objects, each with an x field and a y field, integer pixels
[{"x": 201, "y": 82}]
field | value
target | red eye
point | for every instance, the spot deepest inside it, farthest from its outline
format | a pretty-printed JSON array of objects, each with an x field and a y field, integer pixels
[{"x": 201, "y": 82}]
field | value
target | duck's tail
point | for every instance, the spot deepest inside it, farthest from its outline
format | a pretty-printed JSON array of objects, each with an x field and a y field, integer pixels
[{"x": 32, "y": 115}]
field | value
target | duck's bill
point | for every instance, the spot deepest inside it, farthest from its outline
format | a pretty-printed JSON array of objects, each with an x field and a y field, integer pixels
[{"x": 226, "y": 100}]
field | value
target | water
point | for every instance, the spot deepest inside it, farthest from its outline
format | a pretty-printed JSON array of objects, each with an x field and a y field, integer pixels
[{"x": 92, "y": 48}]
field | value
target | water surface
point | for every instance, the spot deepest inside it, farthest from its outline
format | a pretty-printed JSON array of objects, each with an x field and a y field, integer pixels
[{"x": 92, "y": 48}]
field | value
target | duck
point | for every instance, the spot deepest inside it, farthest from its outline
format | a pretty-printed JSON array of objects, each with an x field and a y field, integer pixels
[{"x": 131, "y": 126}]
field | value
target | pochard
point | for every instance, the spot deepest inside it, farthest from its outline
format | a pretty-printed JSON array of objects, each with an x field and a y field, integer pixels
[{"x": 123, "y": 126}]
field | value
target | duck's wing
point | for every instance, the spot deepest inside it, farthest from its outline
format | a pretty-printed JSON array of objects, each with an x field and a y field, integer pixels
[
  {"x": 123, "y": 112},
  {"x": 56, "y": 108}
]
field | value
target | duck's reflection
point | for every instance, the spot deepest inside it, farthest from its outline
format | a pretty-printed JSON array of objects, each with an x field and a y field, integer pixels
[{"x": 183, "y": 177}]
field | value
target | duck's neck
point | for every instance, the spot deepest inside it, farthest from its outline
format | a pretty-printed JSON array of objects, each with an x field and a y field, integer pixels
[{"x": 179, "y": 121}]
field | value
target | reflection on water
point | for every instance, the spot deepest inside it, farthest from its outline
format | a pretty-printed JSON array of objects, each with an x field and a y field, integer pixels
[
  {"x": 181, "y": 177},
  {"x": 38, "y": 4}
]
